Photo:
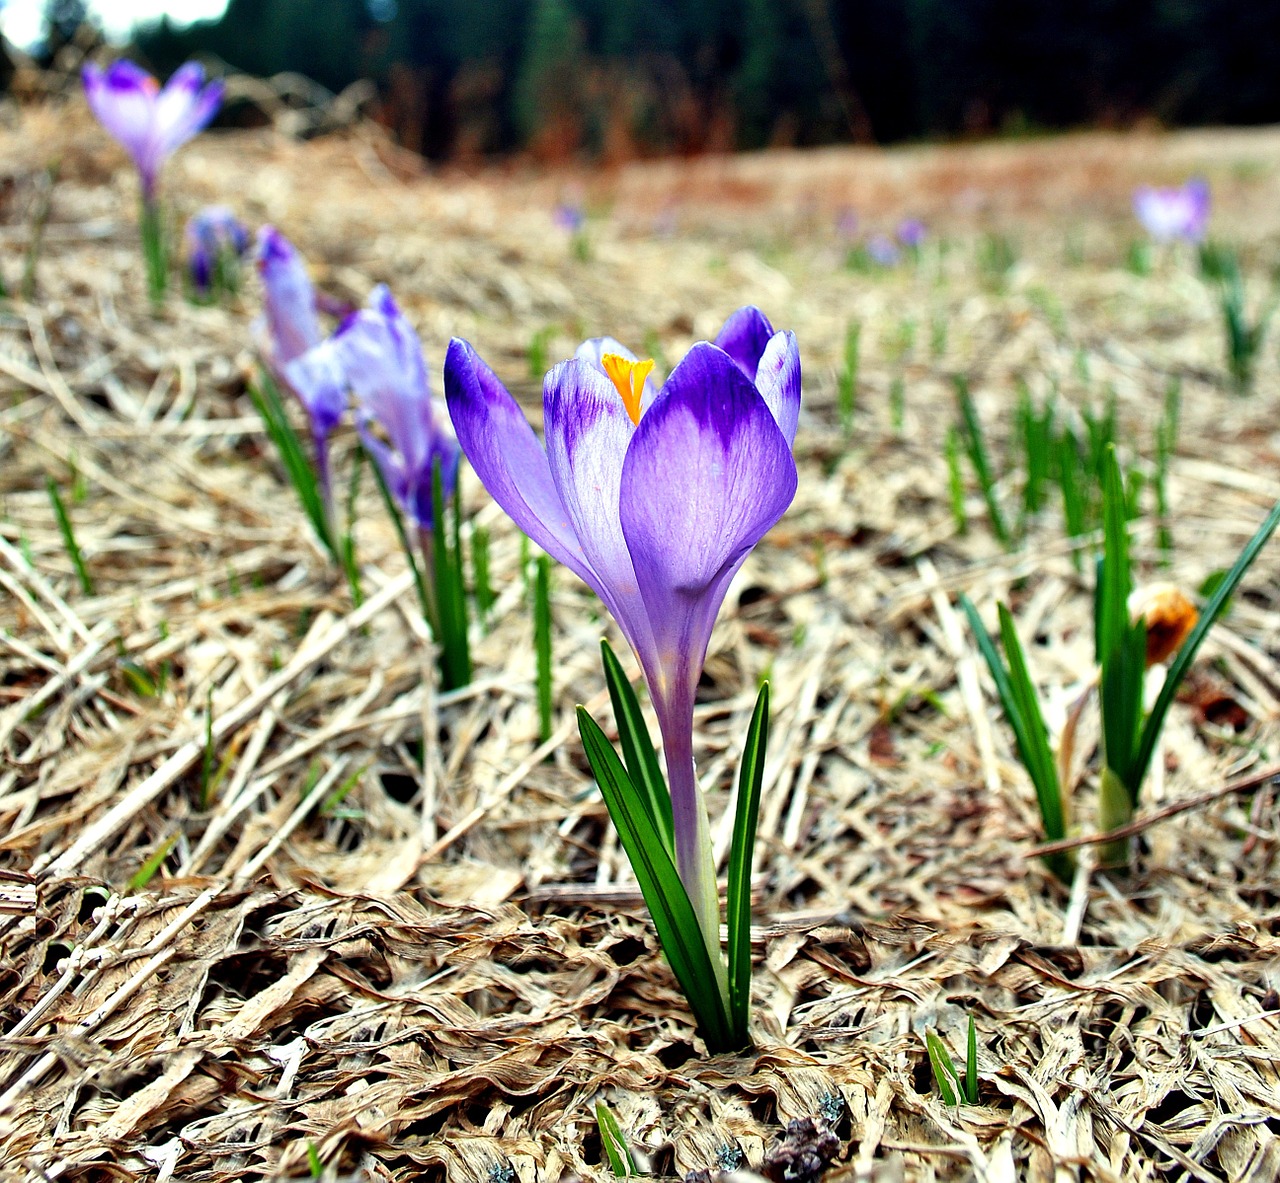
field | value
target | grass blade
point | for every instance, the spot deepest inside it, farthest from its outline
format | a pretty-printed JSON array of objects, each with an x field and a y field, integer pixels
[
  {"x": 1186, "y": 655},
  {"x": 145, "y": 873},
  {"x": 298, "y": 466},
  {"x": 616, "y": 1150},
  {"x": 69, "y": 537},
  {"x": 664, "y": 893},
  {"x": 944, "y": 1072},
  {"x": 971, "y": 1064},
  {"x": 738, "y": 892},
  {"x": 542, "y": 644},
  {"x": 638, "y": 752},
  {"x": 976, "y": 446},
  {"x": 450, "y": 592},
  {"x": 482, "y": 587},
  {"x": 955, "y": 482}
]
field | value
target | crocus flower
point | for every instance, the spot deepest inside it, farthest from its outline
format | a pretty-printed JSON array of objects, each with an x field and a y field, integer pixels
[
  {"x": 654, "y": 498},
  {"x": 152, "y": 123},
  {"x": 911, "y": 233},
  {"x": 881, "y": 250},
  {"x": 212, "y": 236},
  {"x": 382, "y": 357},
  {"x": 1181, "y": 212},
  {"x": 294, "y": 346},
  {"x": 569, "y": 216}
]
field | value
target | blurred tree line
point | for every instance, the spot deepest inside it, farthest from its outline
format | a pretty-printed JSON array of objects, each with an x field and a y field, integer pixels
[{"x": 617, "y": 78}]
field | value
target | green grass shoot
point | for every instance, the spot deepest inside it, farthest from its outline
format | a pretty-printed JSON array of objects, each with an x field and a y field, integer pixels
[
  {"x": 954, "y": 1088},
  {"x": 542, "y": 644},
  {"x": 155, "y": 860},
  {"x": 955, "y": 482},
  {"x": 481, "y": 582},
  {"x": 68, "y": 533},
  {"x": 614, "y": 1144},
  {"x": 897, "y": 403},
  {"x": 847, "y": 379},
  {"x": 975, "y": 445}
]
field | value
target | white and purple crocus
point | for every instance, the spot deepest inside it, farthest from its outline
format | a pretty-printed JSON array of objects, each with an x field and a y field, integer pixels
[
  {"x": 654, "y": 498},
  {"x": 1175, "y": 214},
  {"x": 150, "y": 121},
  {"x": 295, "y": 346}
]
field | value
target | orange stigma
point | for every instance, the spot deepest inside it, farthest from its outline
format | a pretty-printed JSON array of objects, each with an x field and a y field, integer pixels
[{"x": 629, "y": 377}]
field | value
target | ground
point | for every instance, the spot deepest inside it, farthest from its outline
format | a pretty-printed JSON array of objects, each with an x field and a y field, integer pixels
[{"x": 439, "y": 975}]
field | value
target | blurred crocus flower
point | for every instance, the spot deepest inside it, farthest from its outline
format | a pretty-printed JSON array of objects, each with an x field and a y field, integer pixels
[
  {"x": 569, "y": 216},
  {"x": 214, "y": 240},
  {"x": 152, "y": 123},
  {"x": 382, "y": 357},
  {"x": 294, "y": 346},
  {"x": 882, "y": 250},
  {"x": 911, "y": 233},
  {"x": 847, "y": 223},
  {"x": 1181, "y": 212},
  {"x": 654, "y": 498}
]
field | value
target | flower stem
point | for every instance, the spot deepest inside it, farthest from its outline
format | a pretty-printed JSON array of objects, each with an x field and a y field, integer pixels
[
  {"x": 154, "y": 250},
  {"x": 694, "y": 859}
]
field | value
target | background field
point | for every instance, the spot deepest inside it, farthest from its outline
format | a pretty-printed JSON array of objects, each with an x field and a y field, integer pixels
[{"x": 438, "y": 976}]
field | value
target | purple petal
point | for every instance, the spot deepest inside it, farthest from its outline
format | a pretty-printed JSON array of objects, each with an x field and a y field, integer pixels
[
  {"x": 290, "y": 299},
  {"x": 778, "y": 380},
  {"x": 382, "y": 357},
  {"x": 588, "y": 431},
  {"x": 183, "y": 109},
  {"x": 744, "y": 337},
  {"x": 498, "y": 441},
  {"x": 317, "y": 377},
  {"x": 707, "y": 475},
  {"x": 122, "y": 98}
]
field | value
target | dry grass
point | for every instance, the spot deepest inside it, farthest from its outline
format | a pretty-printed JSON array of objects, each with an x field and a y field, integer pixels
[{"x": 439, "y": 979}]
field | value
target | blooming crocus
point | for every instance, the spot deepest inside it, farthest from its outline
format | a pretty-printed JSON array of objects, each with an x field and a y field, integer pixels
[
  {"x": 294, "y": 346},
  {"x": 152, "y": 123},
  {"x": 1178, "y": 213},
  {"x": 213, "y": 237},
  {"x": 654, "y": 497},
  {"x": 382, "y": 357},
  {"x": 911, "y": 233}
]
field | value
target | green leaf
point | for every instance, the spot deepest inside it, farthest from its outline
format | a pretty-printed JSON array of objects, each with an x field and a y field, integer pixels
[
  {"x": 971, "y": 1064},
  {"x": 1186, "y": 655},
  {"x": 673, "y": 915},
  {"x": 621, "y": 1161},
  {"x": 977, "y": 449},
  {"x": 155, "y": 861},
  {"x": 944, "y": 1072},
  {"x": 68, "y": 533},
  {"x": 298, "y": 466},
  {"x": 738, "y": 893},
  {"x": 1036, "y": 753},
  {"x": 542, "y": 643},
  {"x": 451, "y": 600},
  {"x": 637, "y": 749},
  {"x": 1115, "y": 580},
  {"x": 1028, "y": 730}
]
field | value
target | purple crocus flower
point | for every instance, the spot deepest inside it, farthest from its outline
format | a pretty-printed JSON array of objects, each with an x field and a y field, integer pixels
[
  {"x": 654, "y": 498},
  {"x": 382, "y": 357},
  {"x": 1181, "y": 212},
  {"x": 152, "y": 123},
  {"x": 212, "y": 235},
  {"x": 294, "y": 345},
  {"x": 882, "y": 250},
  {"x": 569, "y": 216},
  {"x": 911, "y": 233}
]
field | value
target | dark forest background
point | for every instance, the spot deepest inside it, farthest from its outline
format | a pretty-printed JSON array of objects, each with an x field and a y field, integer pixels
[{"x": 619, "y": 78}]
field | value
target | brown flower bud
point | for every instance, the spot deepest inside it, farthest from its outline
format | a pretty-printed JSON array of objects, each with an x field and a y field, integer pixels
[{"x": 1169, "y": 615}]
